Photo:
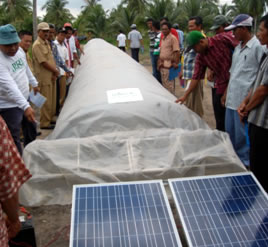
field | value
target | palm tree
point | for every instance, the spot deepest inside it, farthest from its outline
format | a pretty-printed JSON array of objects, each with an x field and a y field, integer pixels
[
  {"x": 256, "y": 10},
  {"x": 34, "y": 19},
  {"x": 161, "y": 8},
  {"x": 207, "y": 10},
  {"x": 122, "y": 19},
  {"x": 96, "y": 19},
  {"x": 56, "y": 12},
  {"x": 137, "y": 5},
  {"x": 14, "y": 11}
]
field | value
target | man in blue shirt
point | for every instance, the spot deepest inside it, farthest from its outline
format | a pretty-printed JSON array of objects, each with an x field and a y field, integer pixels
[{"x": 245, "y": 63}]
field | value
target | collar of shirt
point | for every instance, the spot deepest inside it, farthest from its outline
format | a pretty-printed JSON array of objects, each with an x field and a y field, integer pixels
[{"x": 43, "y": 42}]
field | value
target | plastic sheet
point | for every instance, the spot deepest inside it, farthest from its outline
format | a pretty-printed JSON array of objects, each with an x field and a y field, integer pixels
[{"x": 95, "y": 141}]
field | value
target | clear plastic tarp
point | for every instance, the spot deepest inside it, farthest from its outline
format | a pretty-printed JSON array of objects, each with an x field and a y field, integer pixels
[{"x": 146, "y": 136}]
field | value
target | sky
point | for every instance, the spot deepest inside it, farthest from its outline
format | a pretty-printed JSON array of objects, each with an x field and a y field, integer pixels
[{"x": 75, "y": 5}]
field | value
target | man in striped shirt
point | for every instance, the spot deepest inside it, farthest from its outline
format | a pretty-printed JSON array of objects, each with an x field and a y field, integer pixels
[
  {"x": 214, "y": 53},
  {"x": 255, "y": 106}
]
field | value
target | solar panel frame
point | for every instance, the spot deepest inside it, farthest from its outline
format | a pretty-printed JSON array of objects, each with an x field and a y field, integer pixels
[
  {"x": 178, "y": 207},
  {"x": 165, "y": 203}
]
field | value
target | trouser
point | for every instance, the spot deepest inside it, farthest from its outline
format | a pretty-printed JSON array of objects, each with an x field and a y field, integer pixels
[
  {"x": 195, "y": 100},
  {"x": 29, "y": 131},
  {"x": 237, "y": 133},
  {"x": 61, "y": 93},
  {"x": 54, "y": 99},
  {"x": 122, "y": 48},
  {"x": 219, "y": 110},
  {"x": 135, "y": 53},
  {"x": 258, "y": 153},
  {"x": 46, "y": 112},
  {"x": 156, "y": 72},
  {"x": 13, "y": 118},
  {"x": 169, "y": 85}
]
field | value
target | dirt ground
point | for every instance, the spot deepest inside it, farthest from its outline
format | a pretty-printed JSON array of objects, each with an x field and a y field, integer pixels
[{"x": 52, "y": 223}]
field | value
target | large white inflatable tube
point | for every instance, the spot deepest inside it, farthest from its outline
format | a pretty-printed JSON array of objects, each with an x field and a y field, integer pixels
[{"x": 95, "y": 141}]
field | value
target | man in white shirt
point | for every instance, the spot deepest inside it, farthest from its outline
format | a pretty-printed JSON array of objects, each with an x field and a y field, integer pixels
[
  {"x": 135, "y": 42},
  {"x": 70, "y": 44},
  {"x": 15, "y": 76},
  {"x": 121, "y": 40},
  {"x": 63, "y": 52}
]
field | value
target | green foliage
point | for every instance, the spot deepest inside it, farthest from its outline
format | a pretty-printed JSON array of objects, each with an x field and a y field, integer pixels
[
  {"x": 15, "y": 12},
  {"x": 56, "y": 13}
]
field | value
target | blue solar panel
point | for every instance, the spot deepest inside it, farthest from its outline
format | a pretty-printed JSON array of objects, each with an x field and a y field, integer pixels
[
  {"x": 227, "y": 210},
  {"x": 122, "y": 214}
]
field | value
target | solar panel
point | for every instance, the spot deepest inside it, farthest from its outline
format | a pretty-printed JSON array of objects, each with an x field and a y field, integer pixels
[
  {"x": 135, "y": 214},
  {"x": 225, "y": 210}
]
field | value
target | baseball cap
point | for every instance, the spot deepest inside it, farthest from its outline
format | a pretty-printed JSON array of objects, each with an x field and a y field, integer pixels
[
  {"x": 133, "y": 26},
  {"x": 62, "y": 30},
  {"x": 193, "y": 38},
  {"x": 8, "y": 35},
  {"x": 67, "y": 24},
  {"x": 242, "y": 20},
  {"x": 218, "y": 21},
  {"x": 43, "y": 26}
]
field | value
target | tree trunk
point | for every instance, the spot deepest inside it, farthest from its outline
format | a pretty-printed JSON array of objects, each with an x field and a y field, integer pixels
[{"x": 35, "y": 19}]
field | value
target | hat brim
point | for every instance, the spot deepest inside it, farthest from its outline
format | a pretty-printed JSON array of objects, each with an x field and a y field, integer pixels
[
  {"x": 9, "y": 41},
  {"x": 213, "y": 28},
  {"x": 43, "y": 29},
  {"x": 231, "y": 27}
]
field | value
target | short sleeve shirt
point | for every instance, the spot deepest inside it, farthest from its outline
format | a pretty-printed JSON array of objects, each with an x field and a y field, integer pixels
[
  {"x": 243, "y": 72},
  {"x": 41, "y": 52},
  {"x": 13, "y": 174},
  {"x": 135, "y": 36},
  {"x": 121, "y": 38},
  {"x": 169, "y": 45},
  {"x": 259, "y": 115}
]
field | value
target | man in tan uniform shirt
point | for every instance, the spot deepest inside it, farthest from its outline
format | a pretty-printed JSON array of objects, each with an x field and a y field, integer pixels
[
  {"x": 169, "y": 56},
  {"x": 46, "y": 72}
]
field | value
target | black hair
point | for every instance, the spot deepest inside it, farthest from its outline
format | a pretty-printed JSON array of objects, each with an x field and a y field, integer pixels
[
  {"x": 69, "y": 28},
  {"x": 51, "y": 25},
  {"x": 265, "y": 20},
  {"x": 149, "y": 19},
  {"x": 164, "y": 18},
  {"x": 24, "y": 32},
  {"x": 156, "y": 25},
  {"x": 120, "y": 31},
  {"x": 198, "y": 20},
  {"x": 62, "y": 30},
  {"x": 167, "y": 24}
]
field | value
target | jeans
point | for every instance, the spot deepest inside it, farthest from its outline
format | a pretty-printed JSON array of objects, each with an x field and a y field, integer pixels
[
  {"x": 135, "y": 53},
  {"x": 258, "y": 153},
  {"x": 237, "y": 133},
  {"x": 13, "y": 118},
  {"x": 156, "y": 73}
]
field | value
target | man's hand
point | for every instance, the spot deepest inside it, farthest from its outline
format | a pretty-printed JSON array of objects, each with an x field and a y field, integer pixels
[
  {"x": 223, "y": 100},
  {"x": 242, "y": 111},
  {"x": 210, "y": 75},
  {"x": 36, "y": 90},
  {"x": 69, "y": 74},
  {"x": 175, "y": 65},
  {"x": 29, "y": 114},
  {"x": 180, "y": 75},
  {"x": 78, "y": 61},
  {"x": 181, "y": 100},
  {"x": 13, "y": 228}
]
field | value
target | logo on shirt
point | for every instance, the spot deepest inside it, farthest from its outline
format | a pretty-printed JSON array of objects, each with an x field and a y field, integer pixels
[{"x": 19, "y": 64}]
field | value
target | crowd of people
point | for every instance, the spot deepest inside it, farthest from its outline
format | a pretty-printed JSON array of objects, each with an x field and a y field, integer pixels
[
  {"x": 48, "y": 71},
  {"x": 233, "y": 61}
]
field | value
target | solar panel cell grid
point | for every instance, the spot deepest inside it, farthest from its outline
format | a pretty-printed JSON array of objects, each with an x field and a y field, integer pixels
[
  {"x": 222, "y": 210},
  {"x": 122, "y": 215}
]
